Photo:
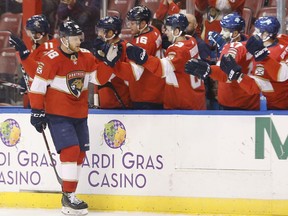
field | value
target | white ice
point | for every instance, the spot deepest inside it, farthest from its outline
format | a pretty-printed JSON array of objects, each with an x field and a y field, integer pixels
[{"x": 57, "y": 212}]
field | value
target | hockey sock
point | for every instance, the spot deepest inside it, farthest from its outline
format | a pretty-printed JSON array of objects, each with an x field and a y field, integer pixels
[
  {"x": 79, "y": 164},
  {"x": 69, "y": 158}
]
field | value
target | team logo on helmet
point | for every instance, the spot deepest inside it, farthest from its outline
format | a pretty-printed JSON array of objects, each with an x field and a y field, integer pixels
[
  {"x": 268, "y": 24},
  {"x": 110, "y": 23},
  {"x": 10, "y": 132},
  {"x": 139, "y": 13},
  {"x": 38, "y": 24},
  {"x": 75, "y": 82},
  {"x": 233, "y": 21},
  {"x": 177, "y": 21}
]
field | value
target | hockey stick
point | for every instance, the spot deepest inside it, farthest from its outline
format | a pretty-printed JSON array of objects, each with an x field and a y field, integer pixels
[
  {"x": 110, "y": 85},
  {"x": 50, "y": 155},
  {"x": 9, "y": 84},
  {"x": 26, "y": 78}
]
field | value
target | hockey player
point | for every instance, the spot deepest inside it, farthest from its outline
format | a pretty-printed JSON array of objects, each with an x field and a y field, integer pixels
[
  {"x": 266, "y": 28},
  {"x": 113, "y": 92},
  {"x": 209, "y": 13},
  {"x": 37, "y": 29},
  {"x": 230, "y": 95},
  {"x": 182, "y": 91},
  {"x": 59, "y": 97},
  {"x": 146, "y": 90},
  {"x": 270, "y": 74}
]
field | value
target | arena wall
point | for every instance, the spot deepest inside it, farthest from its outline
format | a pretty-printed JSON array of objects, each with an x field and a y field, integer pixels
[{"x": 200, "y": 162}]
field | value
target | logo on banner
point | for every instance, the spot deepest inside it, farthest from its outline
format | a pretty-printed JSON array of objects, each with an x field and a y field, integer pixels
[
  {"x": 114, "y": 134},
  {"x": 10, "y": 132}
]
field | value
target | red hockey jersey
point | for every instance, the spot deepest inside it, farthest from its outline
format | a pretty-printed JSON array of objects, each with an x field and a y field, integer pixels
[
  {"x": 230, "y": 94},
  {"x": 143, "y": 85},
  {"x": 60, "y": 85},
  {"x": 107, "y": 96},
  {"x": 182, "y": 91},
  {"x": 270, "y": 77},
  {"x": 30, "y": 64}
]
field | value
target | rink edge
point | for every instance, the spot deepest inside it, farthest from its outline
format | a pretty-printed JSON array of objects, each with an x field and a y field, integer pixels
[{"x": 184, "y": 205}]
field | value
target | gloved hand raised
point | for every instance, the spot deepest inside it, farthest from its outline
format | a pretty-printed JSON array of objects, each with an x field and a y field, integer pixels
[
  {"x": 99, "y": 48},
  {"x": 38, "y": 119},
  {"x": 113, "y": 55},
  {"x": 198, "y": 68},
  {"x": 256, "y": 47},
  {"x": 19, "y": 46},
  {"x": 137, "y": 54},
  {"x": 230, "y": 67},
  {"x": 215, "y": 39}
]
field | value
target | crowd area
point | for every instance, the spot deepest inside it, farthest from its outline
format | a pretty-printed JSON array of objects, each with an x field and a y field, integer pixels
[{"x": 163, "y": 57}]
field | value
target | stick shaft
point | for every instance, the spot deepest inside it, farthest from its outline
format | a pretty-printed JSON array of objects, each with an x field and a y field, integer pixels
[{"x": 51, "y": 158}]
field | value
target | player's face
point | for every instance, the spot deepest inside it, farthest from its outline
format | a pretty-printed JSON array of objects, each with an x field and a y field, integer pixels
[
  {"x": 134, "y": 27},
  {"x": 169, "y": 33},
  {"x": 226, "y": 33},
  {"x": 74, "y": 42},
  {"x": 33, "y": 36},
  {"x": 264, "y": 35},
  {"x": 101, "y": 33}
]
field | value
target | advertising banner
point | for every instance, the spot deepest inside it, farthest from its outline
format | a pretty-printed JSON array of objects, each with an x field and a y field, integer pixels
[{"x": 217, "y": 156}]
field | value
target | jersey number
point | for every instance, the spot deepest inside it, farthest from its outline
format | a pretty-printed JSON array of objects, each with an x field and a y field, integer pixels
[
  {"x": 48, "y": 45},
  {"x": 52, "y": 54},
  {"x": 195, "y": 82},
  {"x": 142, "y": 40}
]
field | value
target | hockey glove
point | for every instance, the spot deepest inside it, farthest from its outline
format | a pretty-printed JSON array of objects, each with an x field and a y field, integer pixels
[
  {"x": 256, "y": 47},
  {"x": 38, "y": 119},
  {"x": 19, "y": 46},
  {"x": 165, "y": 42},
  {"x": 137, "y": 54},
  {"x": 230, "y": 67},
  {"x": 99, "y": 48},
  {"x": 113, "y": 55},
  {"x": 215, "y": 39},
  {"x": 198, "y": 68}
]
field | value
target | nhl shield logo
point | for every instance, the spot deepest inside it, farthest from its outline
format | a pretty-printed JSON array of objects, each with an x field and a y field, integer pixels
[{"x": 75, "y": 82}]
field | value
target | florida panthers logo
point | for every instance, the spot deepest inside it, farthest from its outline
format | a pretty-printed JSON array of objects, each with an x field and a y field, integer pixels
[
  {"x": 259, "y": 70},
  {"x": 75, "y": 82}
]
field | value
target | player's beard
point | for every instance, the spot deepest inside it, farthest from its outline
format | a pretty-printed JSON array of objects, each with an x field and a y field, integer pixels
[{"x": 74, "y": 48}]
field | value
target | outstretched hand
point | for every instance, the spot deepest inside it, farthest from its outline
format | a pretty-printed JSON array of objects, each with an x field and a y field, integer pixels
[
  {"x": 198, "y": 68},
  {"x": 215, "y": 39},
  {"x": 113, "y": 55},
  {"x": 19, "y": 46},
  {"x": 256, "y": 47},
  {"x": 230, "y": 67},
  {"x": 137, "y": 54}
]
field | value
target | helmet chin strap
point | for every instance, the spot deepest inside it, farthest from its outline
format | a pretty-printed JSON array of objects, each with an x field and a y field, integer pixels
[
  {"x": 67, "y": 45},
  {"x": 266, "y": 39},
  {"x": 35, "y": 40},
  {"x": 175, "y": 36},
  {"x": 232, "y": 39},
  {"x": 141, "y": 30},
  {"x": 106, "y": 39}
]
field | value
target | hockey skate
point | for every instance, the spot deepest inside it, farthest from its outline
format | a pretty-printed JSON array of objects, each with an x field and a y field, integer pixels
[{"x": 71, "y": 205}]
